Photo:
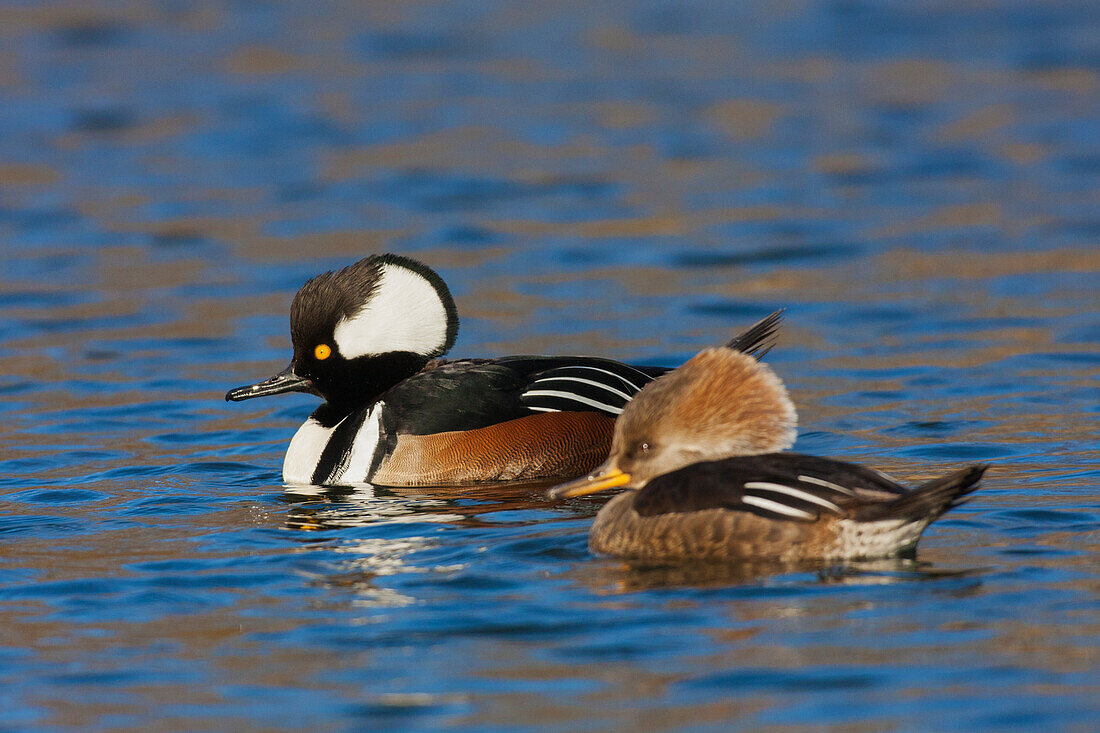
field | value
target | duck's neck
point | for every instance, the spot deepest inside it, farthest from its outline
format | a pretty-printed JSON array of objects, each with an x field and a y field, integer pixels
[{"x": 363, "y": 381}]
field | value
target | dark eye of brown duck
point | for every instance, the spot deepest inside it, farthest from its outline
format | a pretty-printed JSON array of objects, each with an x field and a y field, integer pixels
[{"x": 637, "y": 450}]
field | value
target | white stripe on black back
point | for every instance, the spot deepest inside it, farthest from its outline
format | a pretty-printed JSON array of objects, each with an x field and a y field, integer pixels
[
  {"x": 569, "y": 401},
  {"x": 606, "y": 388},
  {"x": 826, "y": 484},
  {"x": 775, "y": 507},
  {"x": 781, "y": 493},
  {"x": 806, "y": 500},
  {"x": 563, "y": 383},
  {"x": 638, "y": 378}
]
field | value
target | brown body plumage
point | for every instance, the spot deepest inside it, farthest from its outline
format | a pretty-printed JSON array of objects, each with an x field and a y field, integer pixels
[
  {"x": 697, "y": 449},
  {"x": 553, "y": 444}
]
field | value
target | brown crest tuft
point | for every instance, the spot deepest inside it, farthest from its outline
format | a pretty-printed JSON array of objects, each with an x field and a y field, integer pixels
[{"x": 720, "y": 404}]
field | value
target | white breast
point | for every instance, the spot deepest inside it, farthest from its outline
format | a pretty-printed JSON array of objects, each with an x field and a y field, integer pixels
[
  {"x": 304, "y": 451},
  {"x": 310, "y": 441}
]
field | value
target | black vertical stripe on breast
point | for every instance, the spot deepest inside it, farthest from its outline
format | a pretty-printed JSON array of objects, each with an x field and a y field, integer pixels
[
  {"x": 387, "y": 440},
  {"x": 334, "y": 458}
]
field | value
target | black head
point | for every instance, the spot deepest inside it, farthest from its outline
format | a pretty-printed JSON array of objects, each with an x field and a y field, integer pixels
[{"x": 362, "y": 329}]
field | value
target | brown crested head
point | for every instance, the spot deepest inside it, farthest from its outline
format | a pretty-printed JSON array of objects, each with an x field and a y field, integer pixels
[{"x": 720, "y": 404}]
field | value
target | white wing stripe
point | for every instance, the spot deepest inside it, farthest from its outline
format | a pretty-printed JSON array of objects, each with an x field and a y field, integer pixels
[
  {"x": 585, "y": 381},
  {"x": 776, "y": 507},
  {"x": 617, "y": 376},
  {"x": 826, "y": 484},
  {"x": 574, "y": 398},
  {"x": 796, "y": 493}
]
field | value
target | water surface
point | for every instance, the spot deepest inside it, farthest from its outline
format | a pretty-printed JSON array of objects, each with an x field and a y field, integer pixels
[{"x": 917, "y": 183}]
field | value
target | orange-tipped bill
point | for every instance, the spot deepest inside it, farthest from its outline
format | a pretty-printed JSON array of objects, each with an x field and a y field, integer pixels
[{"x": 604, "y": 477}]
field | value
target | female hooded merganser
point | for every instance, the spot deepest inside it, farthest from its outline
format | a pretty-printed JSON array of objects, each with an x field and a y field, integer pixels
[
  {"x": 367, "y": 339},
  {"x": 698, "y": 448}
]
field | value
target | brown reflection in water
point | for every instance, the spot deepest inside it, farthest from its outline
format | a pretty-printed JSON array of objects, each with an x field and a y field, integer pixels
[
  {"x": 158, "y": 534},
  {"x": 1014, "y": 642},
  {"x": 318, "y": 508},
  {"x": 615, "y": 696},
  {"x": 214, "y": 638},
  {"x": 616, "y": 578},
  {"x": 613, "y": 578},
  {"x": 472, "y": 149},
  {"x": 27, "y": 174},
  {"x": 746, "y": 119}
]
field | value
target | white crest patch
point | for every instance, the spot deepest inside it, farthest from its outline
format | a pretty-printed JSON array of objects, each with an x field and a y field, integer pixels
[{"x": 404, "y": 314}]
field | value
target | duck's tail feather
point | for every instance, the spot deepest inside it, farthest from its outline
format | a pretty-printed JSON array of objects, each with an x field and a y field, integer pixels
[
  {"x": 930, "y": 500},
  {"x": 758, "y": 339}
]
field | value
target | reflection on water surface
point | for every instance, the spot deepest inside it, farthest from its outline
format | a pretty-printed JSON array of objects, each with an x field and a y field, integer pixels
[{"x": 917, "y": 185}]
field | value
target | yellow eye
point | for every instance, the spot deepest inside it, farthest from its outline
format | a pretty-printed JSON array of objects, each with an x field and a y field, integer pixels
[{"x": 322, "y": 352}]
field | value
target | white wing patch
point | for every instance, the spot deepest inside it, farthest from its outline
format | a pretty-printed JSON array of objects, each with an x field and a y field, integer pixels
[{"x": 404, "y": 314}]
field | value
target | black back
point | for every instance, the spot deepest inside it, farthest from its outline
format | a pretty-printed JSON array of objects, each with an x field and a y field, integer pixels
[
  {"x": 455, "y": 395},
  {"x": 468, "y": 394}
]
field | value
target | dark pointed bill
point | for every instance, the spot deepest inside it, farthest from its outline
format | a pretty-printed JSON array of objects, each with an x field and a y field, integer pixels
[{"x": 284, "y": 381}]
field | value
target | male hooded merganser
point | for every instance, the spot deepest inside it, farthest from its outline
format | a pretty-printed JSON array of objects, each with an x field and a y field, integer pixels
[
  {"x": 698, "y": 448},
  {"x": 367, "y": 339}
]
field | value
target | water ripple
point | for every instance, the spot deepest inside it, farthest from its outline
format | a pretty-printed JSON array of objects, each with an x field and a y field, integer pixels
[{"x": 914, "y": 183}]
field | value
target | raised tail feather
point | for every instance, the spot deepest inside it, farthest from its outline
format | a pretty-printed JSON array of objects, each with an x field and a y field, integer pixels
[
  {"x": 930, "y": 500},
  {"x": 758, "y": 339}
]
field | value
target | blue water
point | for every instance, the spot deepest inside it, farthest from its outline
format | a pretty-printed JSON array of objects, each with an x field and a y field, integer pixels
[{"x": 917, "y": 183}]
